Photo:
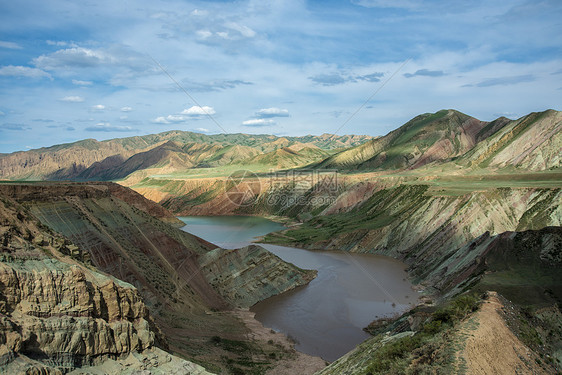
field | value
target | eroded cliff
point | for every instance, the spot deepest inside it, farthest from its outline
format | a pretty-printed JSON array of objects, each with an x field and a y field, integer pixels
[
  {"x": 509, "y": 321},
  {"x": 251, "y": 274},
  {"x": 111, "y": 227},
  {"x": 58, "y": 313},
  {"x": 424, "y": 226}
]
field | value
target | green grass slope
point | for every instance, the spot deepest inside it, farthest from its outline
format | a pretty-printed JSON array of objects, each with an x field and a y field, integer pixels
[
  {"x": 426, "y": 138},
  {"x": 530, "y": 143}
]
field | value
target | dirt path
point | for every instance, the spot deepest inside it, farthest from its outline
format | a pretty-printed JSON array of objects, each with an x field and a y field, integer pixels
[
  {"x": 298, "y": 363},
  {"x": 491, "y": 348}
]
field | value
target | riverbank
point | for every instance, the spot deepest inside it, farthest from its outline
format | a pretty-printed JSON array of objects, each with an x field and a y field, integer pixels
[
  {"x": 293, "y": 361},
  {"x": 327, "y": 316}
]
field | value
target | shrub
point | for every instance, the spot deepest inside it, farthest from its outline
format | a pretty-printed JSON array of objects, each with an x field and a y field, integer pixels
[{"x": 216, "y": 340}]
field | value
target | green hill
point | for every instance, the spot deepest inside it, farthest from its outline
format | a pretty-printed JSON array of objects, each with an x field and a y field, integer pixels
[{"x": 532, "y": 142}]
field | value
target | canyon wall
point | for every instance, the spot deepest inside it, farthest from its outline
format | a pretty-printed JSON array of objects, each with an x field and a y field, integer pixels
[
  {"x": 425, "y": 226},
  {"x": 111, "y": 228},
  {"x": 495, "y": 335},
  {"x": 58, "y": 313}
]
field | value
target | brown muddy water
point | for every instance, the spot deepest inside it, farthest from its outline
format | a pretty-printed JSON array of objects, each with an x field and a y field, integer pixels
[{"x": 326, "y": 317}]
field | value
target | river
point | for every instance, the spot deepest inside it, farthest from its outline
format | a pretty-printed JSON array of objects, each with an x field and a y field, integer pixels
[{"x": 326, "y": 317}]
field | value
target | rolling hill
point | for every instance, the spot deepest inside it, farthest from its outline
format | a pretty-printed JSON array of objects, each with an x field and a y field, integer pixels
[
  {"x": 532, "y": 142},
  {"x": 448, "y": 138},
  {"x": 90, "y": 159}
]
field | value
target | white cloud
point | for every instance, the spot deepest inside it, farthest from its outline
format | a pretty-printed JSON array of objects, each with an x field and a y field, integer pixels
[
  {"x": 406, "y": 4},
  {"x": 244, "y": 30},
  {"x": 199, "y": 12},
  {"x": 272, "y": 112},
  {"x": 193, "y": 113},
  {"x": 126, "y": 109},
  {"x": 258, "y": 122},
  {"x": 60, "y": 43},
  {"x": 23, "y": 71},
  {"x": 72, "y": 99},
  {"x": 76, "y": 56},
  {"x": 82, "y": 83},
  {"x": 107, "y": 127},
  {"x": 198, "y": 111},
  {"x": 223, "y": 34},
  {"x": 202, "y": 130},
  {"x": 98, "y": 107},
  {"x": 170, "y": 119},
  {"x": 9, "y": 45},
  {"x": 204, "y": 34},
  {"x": 175, "y": 118},
  {"x": 2, "y": 113}
]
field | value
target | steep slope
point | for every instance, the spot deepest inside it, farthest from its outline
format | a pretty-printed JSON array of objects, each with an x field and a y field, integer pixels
[
  {"x": 469, "y": 334},
  {"x": 227, "y": 155},
  {"x": 530, "y": 143},
  {"x": 523, "y": 266},
  {"x": 331, "y": 141},
  {"x": 163, "y": 262},
  {"x": 490, "y": 347},
  {"x": 533, "y": 142},
  {"x": 234, "y": 286},
  {"x": 425, "y": 139},
  {"x": 424, "y": 227},
  {"x": 514, "y": 329},
  {"x": 64, "y": 161},
  {"x": 58, "y": 313},
  {"x": 168, "y": 157}
]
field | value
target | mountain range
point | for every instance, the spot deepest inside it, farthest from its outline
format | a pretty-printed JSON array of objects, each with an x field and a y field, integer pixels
[
  {"x": 447, "y": 138},
  {"x": 473, "y": 208},
  {"x": 169, "y": 151},
  {"x": 531, "y": 142}
]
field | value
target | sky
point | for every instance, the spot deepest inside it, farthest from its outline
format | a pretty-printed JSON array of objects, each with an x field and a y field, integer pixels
[{"x": 71, "y": 70}]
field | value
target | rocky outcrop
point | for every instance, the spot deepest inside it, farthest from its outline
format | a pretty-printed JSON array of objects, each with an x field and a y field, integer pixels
[
  {"x": 528, "y": 260},
  {"x": 122, "y": 239},
  {"x": 153, "y": 361},
  {"x": 251, "y": 274},
  {"x": 58, "y": 314},
  {"x": 68, "y": 315}
]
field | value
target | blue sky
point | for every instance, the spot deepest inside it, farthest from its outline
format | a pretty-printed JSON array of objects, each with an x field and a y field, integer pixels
[{"x": 75, "y": 70}]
